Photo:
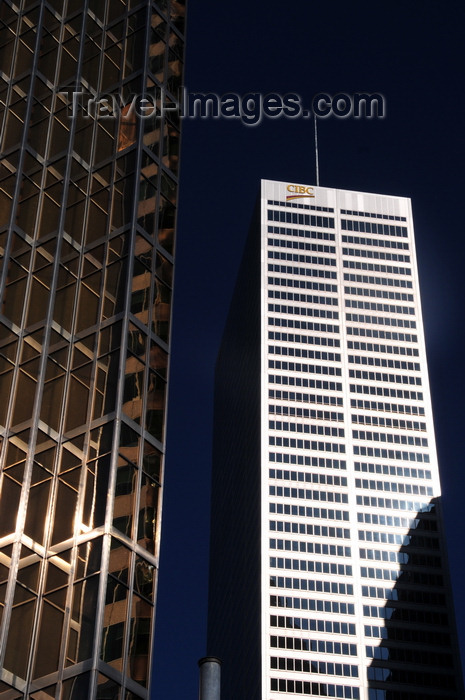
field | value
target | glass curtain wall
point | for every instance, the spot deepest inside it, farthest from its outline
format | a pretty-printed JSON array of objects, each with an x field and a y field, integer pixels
[{"x": 88, "y": 199}]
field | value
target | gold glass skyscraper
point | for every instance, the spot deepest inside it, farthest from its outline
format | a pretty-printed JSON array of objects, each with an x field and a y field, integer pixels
[{"x": 88, "y": 193}]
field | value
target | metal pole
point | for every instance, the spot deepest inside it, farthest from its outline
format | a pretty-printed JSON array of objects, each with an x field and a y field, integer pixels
[
  {"x": 316, "y": 153},
  {"x": 210, "y": 678}
]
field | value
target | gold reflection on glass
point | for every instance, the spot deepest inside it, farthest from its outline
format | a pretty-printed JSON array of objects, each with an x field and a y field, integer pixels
[
  {"x": 139, "y": 633},
  {"x": 86, "y": 245}
]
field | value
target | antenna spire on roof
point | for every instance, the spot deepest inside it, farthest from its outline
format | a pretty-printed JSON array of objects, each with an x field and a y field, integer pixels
[{"x": 316, "y": 153}]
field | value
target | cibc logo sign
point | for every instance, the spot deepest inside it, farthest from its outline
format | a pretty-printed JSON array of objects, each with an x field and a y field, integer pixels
[{"x": 299, "y": 191}]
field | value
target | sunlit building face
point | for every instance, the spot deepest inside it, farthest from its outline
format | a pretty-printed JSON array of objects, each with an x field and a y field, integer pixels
[
  {"x": 329, "y": 574},
  {"x": 87, "y": 226}
]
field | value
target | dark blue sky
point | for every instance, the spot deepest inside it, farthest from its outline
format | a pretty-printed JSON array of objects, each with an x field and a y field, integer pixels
[{"x": 413, "y": 54}]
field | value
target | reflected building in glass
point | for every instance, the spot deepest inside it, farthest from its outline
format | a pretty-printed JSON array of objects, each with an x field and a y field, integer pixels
[
  {"x": 87, "y": 217},
  {"x": 329, "y": 576}
]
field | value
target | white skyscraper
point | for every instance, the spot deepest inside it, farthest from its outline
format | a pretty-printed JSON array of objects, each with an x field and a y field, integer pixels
[{"x": 329, "y": 575}]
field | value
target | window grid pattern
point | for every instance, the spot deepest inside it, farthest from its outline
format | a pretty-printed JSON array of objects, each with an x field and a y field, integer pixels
[
  {"x": 402, "y": 557},
  {"x": 87, "y": 219}
]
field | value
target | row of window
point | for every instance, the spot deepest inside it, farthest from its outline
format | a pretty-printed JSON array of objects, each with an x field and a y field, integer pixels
[
  {"x": 409, "y": 656},
  {"x": 376, "y": 267},
  {"x": 396, "y": 438},
  {"x": 303, "y": 325},
  {"x": 384, "y": 555},
  {"x": 380, "y": 574},
  {"x": 384, "y": 281},
  {"x": 409, "y": 472},
  {"x": 302, "y": 233},
  {"x": 408, "y": 634},
  {"x": 319, "y": 690},
  {"x": 381, "y": 321},
  {"x": 383, "y": 362},
  {"x": 302, "y": 284},
  {"x": 310, "y": 529},
  {"x": 397, "y": 675},
  {"x": 315, "y": 567},
  {"x": 302, "y": 311},
  {"x": 387, "y": 407},
  {"x": 410, "y": 577},
  {"x": 306, "y": 428},
  {"x": 307, "y": 383},
  {"x": 405, "y": 594},
  {"x": 332, "y": 550},
  {"x": 376, "y": 306},
  {"x": 327, "y": 668},
  {"x": 303, "y": 271},
  {"x": 377, "y": 242},
  {"x": 298, "y": 205},
  {"x": 396, "y": 538},
  {"x": 305, "y": 413},
  {"x": 303, "y": 352},
  {"x": 396, "y": 521},
  {"x": 317, "y": 645},
  {"x": 301, "y": 245},
  {"x": 378, "y": 293},
  {"x": 303, "y": 584},
  {"x": 309, "y": 512},
  {"x": 394, "y": 487},
  {"x": 425, "y": 560},
  {"x": 372, "y": 215},
  {"x": 325, "y": 462},
  {"x": 308, "y": 494},
  {"x": 384, "y": 377},
  {"x": 425, "y": 542},
  {"x": 327, "y": 606},
  {"x": 414, "y": 559},
  {"x": 376, "y": 611},
  {"x": 288, "y": 217},
  {"x": 279, "y": 395},
  {"x": 371, "y": 227},
  {"x": 302, "y": 623},
  {"x": 296, "y": 257},
  {"x": 374, "y": 694},
  {"x": 307, "y": 298},
  {"x": 305, "y": 339},
  {"x": 377, "y": 452},
  {"x": 331, "y": 479},
  {"x": 375, "y": 255},
  {"x": 375, "y": 347},
  {"x": 303, "y": 367},
  {"x": 388, "y": 422},
  {"x": 380, "y": 592},
  {"x": 394, "y": 504},
  {"x": 385, "y": 335},
  {"x": 294, "y": 443},
  {"x": 386, "y": 391},
  {"x": 419, "y": 617}
]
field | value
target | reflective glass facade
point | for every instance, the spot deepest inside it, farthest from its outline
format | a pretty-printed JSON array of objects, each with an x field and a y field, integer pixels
[
  {"x": 87, "y": 219},
  {"x": 329, "y": 573}
]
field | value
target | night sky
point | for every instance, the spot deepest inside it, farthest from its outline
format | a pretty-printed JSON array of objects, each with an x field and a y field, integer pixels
[{"x": 413, "y": 54}]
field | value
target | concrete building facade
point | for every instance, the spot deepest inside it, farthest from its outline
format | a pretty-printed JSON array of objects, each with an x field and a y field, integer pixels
[{"x": 329, "y": 573}]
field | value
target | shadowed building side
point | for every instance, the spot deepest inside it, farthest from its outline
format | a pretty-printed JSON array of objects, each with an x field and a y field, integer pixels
[
  {"x": 417, "y": 655},
  {"x": 234, "y": 593}
]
